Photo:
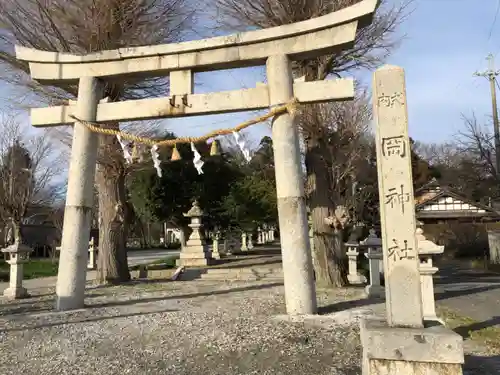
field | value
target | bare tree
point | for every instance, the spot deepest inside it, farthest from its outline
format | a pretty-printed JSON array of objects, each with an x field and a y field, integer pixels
[
  {"x": 84, "y": 26},
  {"x": 372, "y": 45},
  {"x": 28, "y": 166},
  {"x": 477, "y": 141},
  {"x": 345, "y": 155}
]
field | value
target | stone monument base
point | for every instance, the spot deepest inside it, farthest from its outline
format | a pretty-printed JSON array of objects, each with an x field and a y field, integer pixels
[
  {"x": 356, "y": 279},
  {"x": 195, "y": 258},
  {"x": 16, "y": 293},
  {"x": 433, "y": 350},
  {"x": 193, "y": 262},
  {"x": 376, "y": 291}
]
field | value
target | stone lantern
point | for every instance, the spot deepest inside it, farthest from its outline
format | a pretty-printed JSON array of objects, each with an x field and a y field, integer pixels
[
  {"x": 18, "y": 255},
  {"x": 375, "y": 263},
  {"x": 195, "y": 252}
]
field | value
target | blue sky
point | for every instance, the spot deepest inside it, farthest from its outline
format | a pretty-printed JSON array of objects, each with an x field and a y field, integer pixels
[{"x": 446, "y": 41}]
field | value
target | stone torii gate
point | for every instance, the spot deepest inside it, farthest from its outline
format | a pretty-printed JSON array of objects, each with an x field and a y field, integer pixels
[{"x": 275, "y": 47}]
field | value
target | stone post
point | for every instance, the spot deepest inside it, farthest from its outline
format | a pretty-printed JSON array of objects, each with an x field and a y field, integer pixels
[
  {"x": 494, "y": 246},
  {"x": 401, "y": 345},
  {"x": 374, "y": 256},
  {"x": 225, "y": 245},
  {"x": 92, "y": 264},
  {"x": 426, "y": 250},
  {"x": 260, "y": 239},
  {"x": 72, "y": 274},
  {"x": 352, "y": 255},
  {"x": 215, "y": 246},
  {"x": 18, "y": 255},
  {"x": 300, "y": 292},
  {"x": 250, "y": 242},
  {"x": 196, "y": 252},
  {"x": 244, "y": 246},
  {"x": 310, "y": 232}
]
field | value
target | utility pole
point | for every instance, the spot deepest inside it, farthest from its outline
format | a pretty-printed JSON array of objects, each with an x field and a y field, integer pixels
[{"x": 491, "y": 75}]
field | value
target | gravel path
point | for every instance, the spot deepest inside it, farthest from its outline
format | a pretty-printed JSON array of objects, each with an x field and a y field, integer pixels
[
  {"x": 207, "y": 327},
  {"x": 176, "y": 328}
]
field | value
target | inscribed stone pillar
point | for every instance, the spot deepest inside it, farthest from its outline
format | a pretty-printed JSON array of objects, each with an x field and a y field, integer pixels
[
  {"x": 401, "y": 345},
  {"x": 397, "y": 213}
]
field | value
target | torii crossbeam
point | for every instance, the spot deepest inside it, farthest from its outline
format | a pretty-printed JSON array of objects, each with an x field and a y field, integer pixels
[{"x": 275, "y": 47}]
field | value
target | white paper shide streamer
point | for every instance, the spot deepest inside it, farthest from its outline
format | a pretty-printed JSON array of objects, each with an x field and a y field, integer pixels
[
  {"x": 127, "y": 149},
  {"x": 198, "y": 163},
  {"x": 243, "y": 147},
  {"x": 156, "y": 159}
]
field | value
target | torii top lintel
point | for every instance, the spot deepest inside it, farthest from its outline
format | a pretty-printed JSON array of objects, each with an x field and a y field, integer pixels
[{"x": 311, "y": 38}]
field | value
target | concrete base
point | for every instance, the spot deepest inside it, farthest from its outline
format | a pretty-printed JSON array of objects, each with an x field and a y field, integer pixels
[
  {"x": 16, "y": 293},
  {"x": 375, "y": 291},
  {"x": 356, "y": 279},
  {"x": 433, "y": 350}
]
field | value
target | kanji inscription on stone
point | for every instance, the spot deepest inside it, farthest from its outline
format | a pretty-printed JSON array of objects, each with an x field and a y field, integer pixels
[{"x": 397, "y": 206}]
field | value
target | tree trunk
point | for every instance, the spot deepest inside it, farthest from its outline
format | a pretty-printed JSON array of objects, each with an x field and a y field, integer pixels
[
  {"x": 112, "y": 266},
  {"x": 328, "y": 257}
]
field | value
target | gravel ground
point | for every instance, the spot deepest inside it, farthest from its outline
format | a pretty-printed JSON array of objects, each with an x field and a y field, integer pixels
[
  {"x": 175, "y": 328},
  {"x": 197, "y": 327}
]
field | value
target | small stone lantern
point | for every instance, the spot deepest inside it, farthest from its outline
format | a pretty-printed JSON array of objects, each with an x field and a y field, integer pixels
[
  {"x": 375, "y": 263},
  {"x": 18, "y": 255},
  {"x": 196, "y": 252}
]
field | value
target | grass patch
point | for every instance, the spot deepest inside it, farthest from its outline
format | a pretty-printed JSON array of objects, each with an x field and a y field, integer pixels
[
  {"x": 34, "y": 269},
  {"x": 484, "y": 265},
  {"x": 469, "y": 328}
]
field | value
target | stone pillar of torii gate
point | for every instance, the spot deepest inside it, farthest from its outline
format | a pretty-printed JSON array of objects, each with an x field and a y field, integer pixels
[{"x": 275, "y": 47}]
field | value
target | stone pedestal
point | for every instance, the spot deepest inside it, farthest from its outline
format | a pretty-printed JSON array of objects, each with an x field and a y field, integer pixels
[
  {"x": 195, "y": 253},
  {"x": 494, "y": 245},
  {"x": 250, "y": 242},
  {"x": 92, "y": 263},
  {"x": 244, "y": 246},
  {"x": 373, "y": 245},
  {"x": 374, "y": 289},
  {"x": 426, "y": 250},
  {"x": 271, "y": 235},
  {"x": 18, "y": 255},
  {"x": 433, "y": 350},
  {"x": 215, "y": 246},
  {"x": 352, "y": 254},
  {"x": 260, "y": 237}
]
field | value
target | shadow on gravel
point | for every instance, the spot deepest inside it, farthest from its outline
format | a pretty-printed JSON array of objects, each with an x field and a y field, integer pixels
[
  {"x": 186, "y": 296},
  {"x": 346, "y": 305},
  {"x": 480, "y": 365},
  {"x": 466, "y": 330},
  {"x": 33, "y": 305},
  {"x": 82, "y": 320}
]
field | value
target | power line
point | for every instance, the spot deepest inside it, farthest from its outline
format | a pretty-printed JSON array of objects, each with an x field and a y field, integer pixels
[{"x": 494, "y": 21}]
